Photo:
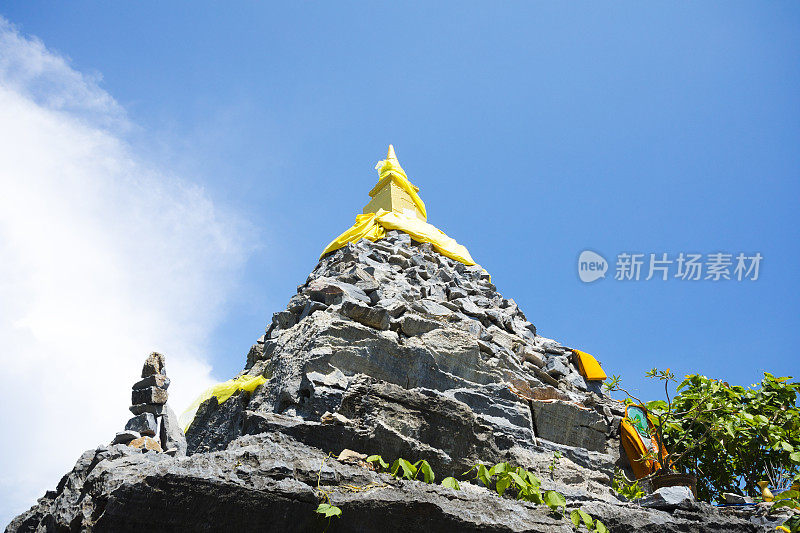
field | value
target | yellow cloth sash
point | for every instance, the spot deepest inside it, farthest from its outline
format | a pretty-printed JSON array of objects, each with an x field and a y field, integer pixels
[{"x": 373, "y": 226}]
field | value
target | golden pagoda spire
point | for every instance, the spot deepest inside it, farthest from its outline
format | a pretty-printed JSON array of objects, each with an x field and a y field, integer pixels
[
  {"x": 390, "y": 164},
  {"x": 395, "y": 205},
  {"x": 394, "y": 192}
]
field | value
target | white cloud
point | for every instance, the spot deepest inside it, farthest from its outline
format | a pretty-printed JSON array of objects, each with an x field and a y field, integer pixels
[{"x": 103, "y": 258}]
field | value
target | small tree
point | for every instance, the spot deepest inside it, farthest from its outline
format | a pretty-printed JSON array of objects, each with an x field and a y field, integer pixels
[
  {"x": 758, "y": 434},
  {"x": 668, "y": 416},
  {"x": 728, "y": 436}
]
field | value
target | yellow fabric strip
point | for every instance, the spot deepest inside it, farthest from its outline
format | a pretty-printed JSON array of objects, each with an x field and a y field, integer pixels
[
  {"x": 589, "y": 367},
  {"x": 373, "y": 226},
  {"x": 635, "y": 450},
  {"x": 222, "y": 391}
]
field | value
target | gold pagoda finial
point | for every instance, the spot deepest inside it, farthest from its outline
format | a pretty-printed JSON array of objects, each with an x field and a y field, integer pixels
[
  {"x": 393, "y": 191},
  {"x": 390, "y": 164}
]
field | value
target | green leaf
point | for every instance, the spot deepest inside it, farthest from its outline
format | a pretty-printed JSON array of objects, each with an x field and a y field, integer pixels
[
  {"x": 451, "y": 483},
  {"x": 409, "y": 470},
  {"x": 575, "y": 516},
  {"x": 499, "y": 468},
  {"x": 328, "y": 510},
  {"x": 502, "y": 484},
  {"x": 530, "y": 478},
  {"x": 518, "y": 480},
  {"x": 795, "y": 457},
  {"x": 425, "y": 468},
  {"x": 783, "y": 503},
  {"x": 600, "y": 527},
  {"x": 554, "y": 499},
  {"x": 532, "y": 494},
  {"x": 483, "y": 475},
  {"x": 587, "y": 519},
  {"x": 379, "y": 460},
  {"x": 656, "y": 405}
]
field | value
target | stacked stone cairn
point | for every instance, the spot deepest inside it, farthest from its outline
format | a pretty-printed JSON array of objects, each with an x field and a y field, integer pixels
[{"x": 152, "y": 416}]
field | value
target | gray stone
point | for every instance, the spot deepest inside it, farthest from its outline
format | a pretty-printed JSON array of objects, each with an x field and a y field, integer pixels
[
  {"x": 523, "y": 328},
  {"x": 451, "y": 306},
  {"x": 557, "y": 366},
  {"x": 489, "y": 347},
  {"x": 472, "y": 326},
  {"x": 435, "y": 292},
  {"x": 456, "y": 293},
  {"x": 149, "y": 395},
  {"x": 481, "y": 301},
  {"x": 124, "y": 437},
  {"x": 503, "y": 338},
  {"x": 570, "y": 424},
  {"x": 401, "y": 237},
  {"x": 297, "y": 303},
  {"x": 736, "y": 499},
  {"x": 576, "y": 380},
  {"x": 395, "y": 307},
  {"x": 331, "y": 292},
  {"x": 430, "y": 307},
  {"x": 154, "y": 364},
  {"x": 284, "y": 319},
  {"x": 375, "y": 317},
  {"x": 398, "y": 259},
  {"x": 171, "y": 434},
  {"x": 669, "y": 499},
  {"x": 531, "y": 356},
  {"x": 417, "y": 260},
  {"x": 416, "y": 325},
  {"x": 310, "y": 308},
  {"x": 152, "y": 408},
  {"x": 145, "y": 424},
  {"x": 156, "y": 380},
  {"x": 499, "y": 318},
  {"x": 362, "y": 279}
]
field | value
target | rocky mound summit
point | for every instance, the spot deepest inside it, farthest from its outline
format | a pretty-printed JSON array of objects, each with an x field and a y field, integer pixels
[{"x": 387, "y": 348}]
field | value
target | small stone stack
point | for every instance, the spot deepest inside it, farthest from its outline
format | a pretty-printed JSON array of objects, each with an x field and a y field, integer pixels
[{"x": 152, "y": 415}]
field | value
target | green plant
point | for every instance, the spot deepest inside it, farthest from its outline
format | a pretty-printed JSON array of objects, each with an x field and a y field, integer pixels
[
  {"x": 556, "y": 456},
  {"x": 756, "y": 433},
  {"x": 788, "y": 499},
  {"x": 579, "y": 516},
  {"x": 626, "y": 489},
  {"x": 328, "y": 510},
  {"x": 404, "y": 469},
  {"x": 730, "y": 437},
  {"x": 451, "y": 483},
  {"x": 505, "y": 479},
  {"x": 792, "y": 525}
]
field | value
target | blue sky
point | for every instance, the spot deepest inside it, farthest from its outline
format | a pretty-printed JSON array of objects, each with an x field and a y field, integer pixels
[{"x": 534, "y": 131}]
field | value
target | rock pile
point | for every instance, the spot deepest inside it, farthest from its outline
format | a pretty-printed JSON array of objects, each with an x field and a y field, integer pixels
[
  {"x": 396, "y": 311},
  {"x": 387, "y": 348},
  {"x": 152, "y": 415}
]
